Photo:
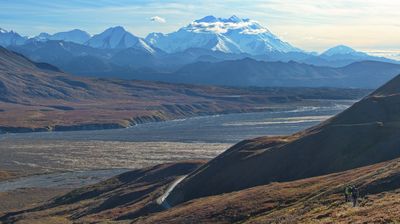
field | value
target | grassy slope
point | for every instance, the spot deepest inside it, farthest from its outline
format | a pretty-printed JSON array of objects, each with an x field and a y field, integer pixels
[
  {"x": 125, "y": 196},
  {"x": 313, "y": 200},
  {"x": 130, "y": 198},
  {"x": 26, "y": 198}
]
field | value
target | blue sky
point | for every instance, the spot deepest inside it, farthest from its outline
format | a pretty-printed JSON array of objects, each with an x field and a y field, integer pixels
[{"x": 312, "y": 25}]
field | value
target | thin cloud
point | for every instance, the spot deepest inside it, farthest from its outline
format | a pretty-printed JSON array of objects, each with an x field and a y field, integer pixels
[{"x": 158, "y": 19}]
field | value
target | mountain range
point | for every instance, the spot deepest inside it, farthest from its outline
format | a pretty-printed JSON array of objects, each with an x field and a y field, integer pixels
[
  {"x": 208, "y": 43},
  {"x": 8, "y": 38},
  {"x": 250, "y": 72},
  {"x": 66, "y": 102},
  {"x": 75, "y": 36}
]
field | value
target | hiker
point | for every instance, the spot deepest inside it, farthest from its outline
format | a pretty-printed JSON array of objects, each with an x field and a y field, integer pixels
[
  {"x": 354, "y": 195},
  {"x": 347, "y": 193}
]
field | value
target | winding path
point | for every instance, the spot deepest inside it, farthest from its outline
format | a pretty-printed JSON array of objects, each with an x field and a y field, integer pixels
[{"x": 162, "y": 199}]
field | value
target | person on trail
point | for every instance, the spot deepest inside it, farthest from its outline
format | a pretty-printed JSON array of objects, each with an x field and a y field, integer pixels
[
  {"x": 354, "y": 195},
  {"x": 347, "y": 193}
]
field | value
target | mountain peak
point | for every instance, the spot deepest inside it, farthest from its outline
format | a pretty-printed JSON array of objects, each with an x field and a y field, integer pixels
[
  {"x": 213, "y": 19},
  {"x": 118, "y": 37},
  {"x": 207, "y": 19},
  {"x": 339, "y": 49},
  {"x": 117, "y": 28},
  {"x": 211, "y": 24},
  {"x": 229, "y": 35},
  {"x": 75, "y": 36},
  {"x": 43, "y": 34},
  {"x": 8, "y": 38},
  {"x": 78, "y": 31},
  {"x": 235, "y": 19}
]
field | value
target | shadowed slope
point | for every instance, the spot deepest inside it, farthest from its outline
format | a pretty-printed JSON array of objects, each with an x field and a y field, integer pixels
[
  {"x": 313, "y": 200},
  {"x": 364, "y": 134}
]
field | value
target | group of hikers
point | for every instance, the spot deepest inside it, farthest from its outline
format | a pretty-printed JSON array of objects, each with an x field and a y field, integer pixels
[{"x": 351, "y": 194}]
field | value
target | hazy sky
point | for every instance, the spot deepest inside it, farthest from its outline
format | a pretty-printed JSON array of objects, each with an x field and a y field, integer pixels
[{"x": 308, "y": 24}]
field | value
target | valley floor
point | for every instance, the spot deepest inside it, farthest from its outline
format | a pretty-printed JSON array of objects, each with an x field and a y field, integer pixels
[{"x": 24, "y": 162}]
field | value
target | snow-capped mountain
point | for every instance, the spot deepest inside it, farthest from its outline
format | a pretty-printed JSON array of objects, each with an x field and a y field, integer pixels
[
  {"x": 8, "y": 38},
  {"x": 232, "y": 35},
  {"x": 118, "y": 37},
  {"x": 76, "y": 36},
  {"x": 42, "y": 37},
  {"x": 342, "y": 50},
  {"x": 342, "y": 55}
]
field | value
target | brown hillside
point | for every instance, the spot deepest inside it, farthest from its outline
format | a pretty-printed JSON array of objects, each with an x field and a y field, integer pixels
[
  {"x": 131, "y": 198},
  {"x": 126, "y": 196},
  {"x": 313, "y": 200},
  {"x": 366, "y": 133}
]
